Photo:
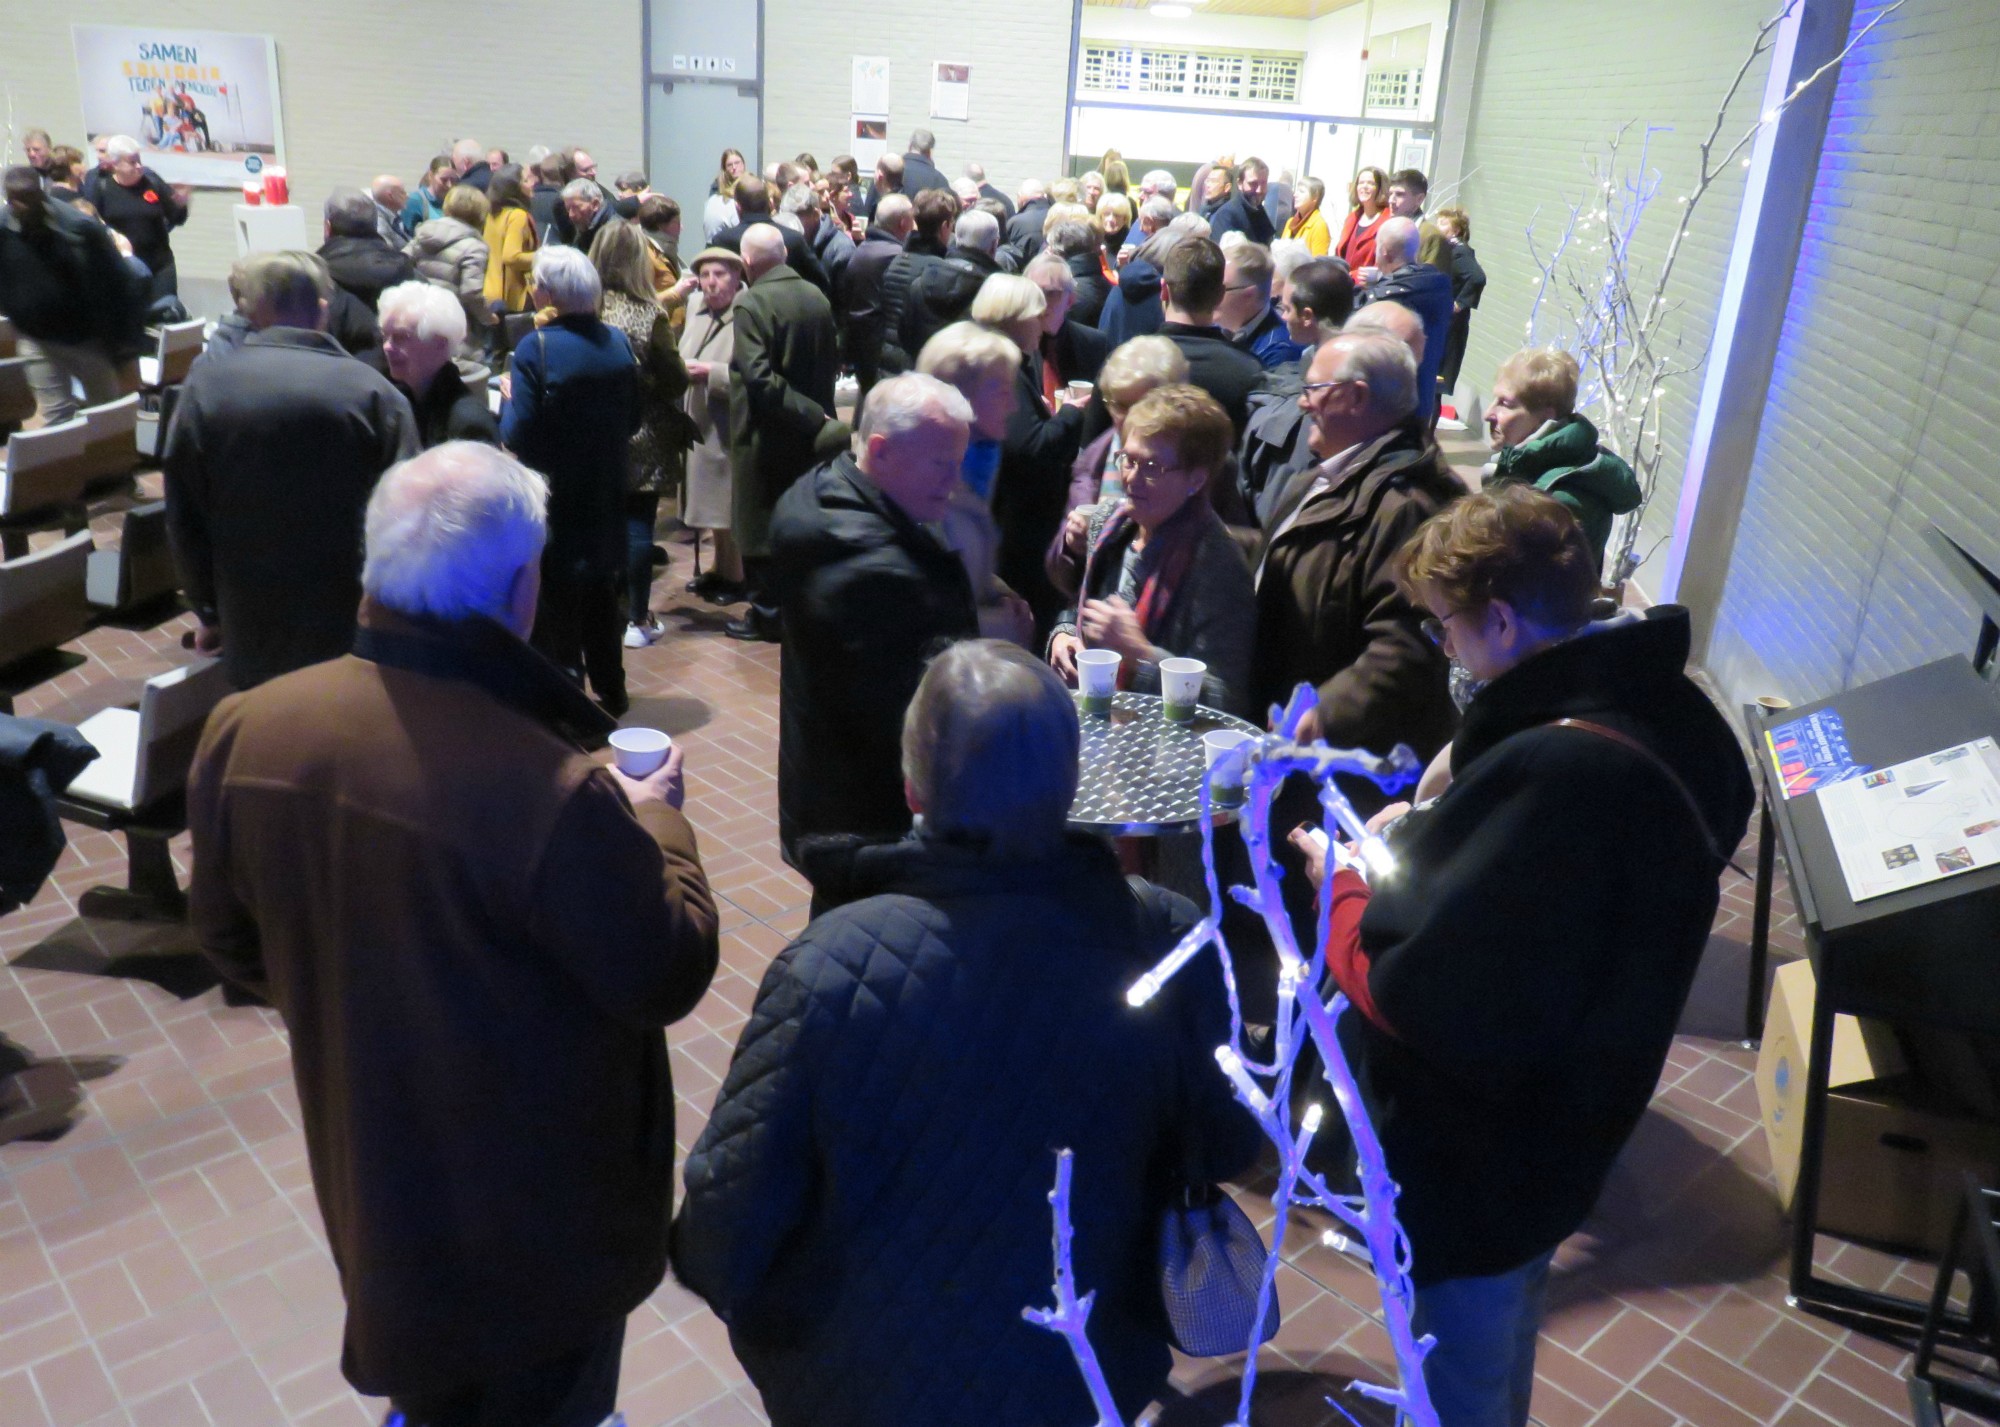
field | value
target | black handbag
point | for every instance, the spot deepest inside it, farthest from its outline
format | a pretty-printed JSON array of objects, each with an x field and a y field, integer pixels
[{"x": 1211, "y": 1256}]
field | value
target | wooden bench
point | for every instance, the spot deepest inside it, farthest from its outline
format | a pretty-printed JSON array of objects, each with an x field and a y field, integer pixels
[
  {"x": 42, "y": 476},
  {"x": 137, "y": 783},
  {"x": 110, "y": 440},
  {"x": 42, "y": 601},
  {"x": 141, "y": 570},
  {"x": 160, "y": 374},
  {"x": 17, "y": 398}
]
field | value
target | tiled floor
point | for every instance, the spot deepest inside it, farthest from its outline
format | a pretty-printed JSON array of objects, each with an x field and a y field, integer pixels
[{"x": 162, "y": 1265}]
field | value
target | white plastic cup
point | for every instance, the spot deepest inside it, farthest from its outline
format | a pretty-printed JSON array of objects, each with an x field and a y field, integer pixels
[
  {"x": 1180, "y": 687},
  {"x": 1080, "y": 392},
  {"x": 1215, "y": 745},
  {"x": 1097, "y": 678},
  {"x": 639, "y": 752}
]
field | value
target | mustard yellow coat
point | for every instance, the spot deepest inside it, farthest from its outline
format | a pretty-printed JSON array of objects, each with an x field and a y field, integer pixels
[
  {"x": 510, "y": 237},
  {"x": 1311, "y": 227}
]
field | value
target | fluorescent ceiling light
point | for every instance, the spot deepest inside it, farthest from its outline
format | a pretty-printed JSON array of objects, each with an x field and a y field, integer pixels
[{"x": 1170, "y": 12}]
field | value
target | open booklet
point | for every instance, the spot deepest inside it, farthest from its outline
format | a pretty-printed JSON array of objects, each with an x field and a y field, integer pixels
[{"x": 1916, "y": 822}]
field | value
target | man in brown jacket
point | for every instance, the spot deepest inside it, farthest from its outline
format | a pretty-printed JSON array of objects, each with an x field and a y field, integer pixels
[
  {"x": 1328, "y": 613},
  {"x": 474, "y": 934}
]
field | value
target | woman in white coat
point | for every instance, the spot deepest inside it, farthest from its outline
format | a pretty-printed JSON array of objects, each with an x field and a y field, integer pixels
[{"x": 707, "y": 343}]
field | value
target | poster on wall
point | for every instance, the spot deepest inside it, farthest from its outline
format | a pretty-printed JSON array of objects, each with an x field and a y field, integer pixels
[
  {"x": 871, "y": 141},
  {"x": 202, "y": 104},
  {"x": 951, "y": 91},
  {"x": 870, "y": 86}
]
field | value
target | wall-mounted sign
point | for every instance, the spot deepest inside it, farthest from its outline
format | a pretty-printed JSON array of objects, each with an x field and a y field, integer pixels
[{"x": 202, "y": 105}]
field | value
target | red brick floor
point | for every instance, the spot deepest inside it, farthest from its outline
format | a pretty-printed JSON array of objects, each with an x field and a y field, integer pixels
[{"x": 163, "y": 1265}]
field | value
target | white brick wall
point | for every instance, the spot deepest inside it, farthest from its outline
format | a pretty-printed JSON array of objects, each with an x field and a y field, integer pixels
[
  {"x": 370, "y": 86},
  {"x": 1884, "y": 412},
  {"x": 1019, "y": 51},
  {"x": 1558, "y": 76}
]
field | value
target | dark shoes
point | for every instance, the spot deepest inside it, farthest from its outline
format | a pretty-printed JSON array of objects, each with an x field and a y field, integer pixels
[
  {"x": 753, "y": 628},
  {"x": 712, "y": 587}
]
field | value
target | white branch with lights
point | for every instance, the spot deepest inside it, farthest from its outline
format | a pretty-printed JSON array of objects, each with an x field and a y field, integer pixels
[
  {"x": 1630, "y": 350},
  {"x": 1304, "y": 1017}
]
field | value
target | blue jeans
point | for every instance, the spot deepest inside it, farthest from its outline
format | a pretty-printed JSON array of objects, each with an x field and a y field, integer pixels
[
  {"x": 642, "y": 510},
  {"x": 1482, "y": 1371}
]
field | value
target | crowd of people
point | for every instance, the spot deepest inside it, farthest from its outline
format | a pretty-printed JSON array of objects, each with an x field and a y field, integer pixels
[{"x": 1100, "y": 414}]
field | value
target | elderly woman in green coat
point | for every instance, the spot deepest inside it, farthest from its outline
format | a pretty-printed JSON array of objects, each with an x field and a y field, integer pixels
[{"x": 1540, "y": 439}]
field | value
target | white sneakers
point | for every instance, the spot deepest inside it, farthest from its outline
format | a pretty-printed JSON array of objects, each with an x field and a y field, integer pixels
[{"x": 638, "y": 636}]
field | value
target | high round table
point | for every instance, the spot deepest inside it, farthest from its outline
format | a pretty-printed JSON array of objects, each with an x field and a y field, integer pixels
[{"x": 1141, "y": 774}]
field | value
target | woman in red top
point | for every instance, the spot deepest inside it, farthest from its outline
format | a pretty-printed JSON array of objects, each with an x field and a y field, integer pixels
[{"x": 1368, "y": 201}]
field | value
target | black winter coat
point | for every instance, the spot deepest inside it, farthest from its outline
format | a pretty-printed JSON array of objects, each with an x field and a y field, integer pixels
[
  {"x": 366, "y": 266},
  {"x": 1239, "y": 215},
  {"x": 859, "y": 302},
  {"x": 1032, "y": 489},
  {"x": 1535, "y": 952},
  {"x": 1093, "y": 288},
  {"x": 868, "y": 1207},
  {"x": 919, "y": 254},
  {"x": 799, "y": 254},
  {"x": 65, "y": 281},
  {"x": 269, "y": 463},
  {"x": 781, "y": 374},
  {"x": 940, "y": 294},
  {"x": 867, "y": 595},
  {"x": 1219, "y": 367},
  {"x": 1426, "y": 292},
  {"x": 1133, "y": 308}
]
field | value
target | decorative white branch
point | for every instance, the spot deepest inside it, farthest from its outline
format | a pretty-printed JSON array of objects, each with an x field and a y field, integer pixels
[
  {"x": 1630, "y": 351},
  {"x": 1071, "y": 1315}
]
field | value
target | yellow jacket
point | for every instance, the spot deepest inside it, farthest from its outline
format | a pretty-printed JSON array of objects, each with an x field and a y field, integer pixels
[
  {"x": 510, "y": 236},
  {"x": 1311, "y": 227}
]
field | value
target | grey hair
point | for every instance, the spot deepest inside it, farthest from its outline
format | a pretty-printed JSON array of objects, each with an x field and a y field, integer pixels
[
  {"x": 965, "y": 188},
  {"x": 569, "y": 278},
  {"x": 1161, "y": 181},
  {"x": 1386, "y": 364},
  {"x": 535, "y": 155},
  {"x": 975, "y": 171},
  {"x": 1069, "y": 238},
  {"x": 1157, "y": 212},
  {"x": 1253, "y": 265},
  {"x": 893, "y": 209},
  {"x": 1188, "y": 225},
  {"x": 977, "y": 230},
  {"x": 1397, "y": 239},
  {"x": 121, "y": 146},
  {"x": 447, "y": 531},
  {"x": 791, "y": 221},
  {"x": 1287, "y": 254},
  {"x": 1138, "y": 365},
  {"x": 290, "y": 284},
  {"x": 991, "y": 746},
  {"x": 901, "y": 404},
  {"x": 1032, "y": 188},
  {"x": 799, "y": 198},
  {"x": 470, "y": 151},
  {"x": 922, "y": 140},
  {"x": 1047, "y": 264},
  {"x": 349, "y": 212},
  {"x": 426, "y": 306},
  {"x": 583, "y": 188},
  {"x": 1385, "y": 316}
]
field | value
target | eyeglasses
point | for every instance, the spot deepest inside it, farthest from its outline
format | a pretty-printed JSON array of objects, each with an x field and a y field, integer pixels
[
  {"x": 1436, "y": 627},
  {"x": 1310, "y": 387},
  {"x": 1152, "y": 470}
]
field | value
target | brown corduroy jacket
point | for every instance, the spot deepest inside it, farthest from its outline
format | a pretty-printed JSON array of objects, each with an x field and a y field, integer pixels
[{"x": 474, "y": 941}]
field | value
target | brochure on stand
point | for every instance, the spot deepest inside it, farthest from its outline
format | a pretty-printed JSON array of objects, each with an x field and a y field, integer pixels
[{"x": 1916, "y": 822}]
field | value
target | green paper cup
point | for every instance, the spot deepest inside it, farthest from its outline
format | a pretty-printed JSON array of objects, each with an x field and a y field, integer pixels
[
  {"x": 1097, "y": 678},
  {"x": 1180, "y": 687}
]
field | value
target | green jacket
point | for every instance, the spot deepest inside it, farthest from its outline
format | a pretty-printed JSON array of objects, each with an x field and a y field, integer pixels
[
  {"x": 1565, "y": 460},
  {"x": 780, "y": 397}
]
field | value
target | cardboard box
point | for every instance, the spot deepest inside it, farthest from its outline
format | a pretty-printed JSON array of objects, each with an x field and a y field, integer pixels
[{"x": 1890, "y": 1171}]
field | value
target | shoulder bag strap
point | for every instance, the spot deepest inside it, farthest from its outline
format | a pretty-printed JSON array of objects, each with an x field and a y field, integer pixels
[{"x": 1680, "y": 786}]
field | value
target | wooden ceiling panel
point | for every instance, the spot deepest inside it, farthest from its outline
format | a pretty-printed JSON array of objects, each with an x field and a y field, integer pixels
[{"x": 1268, "y": 9}]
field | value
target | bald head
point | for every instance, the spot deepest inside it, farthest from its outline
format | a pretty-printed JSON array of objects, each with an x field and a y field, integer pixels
[
  {"x": 1396, "y": 244},
  {"x": 388, "y": 190},
  {"x": 1395, "y": 319},
  {"x": 763, "y": 249}
]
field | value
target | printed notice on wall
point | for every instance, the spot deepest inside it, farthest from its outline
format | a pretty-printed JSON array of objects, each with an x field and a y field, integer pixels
[
  {"x": 951, "y": 91},
  {"x": 203, "y": 105},
  {"x": 871, "y": 87},
  {"x": 1923, "y": 820}
]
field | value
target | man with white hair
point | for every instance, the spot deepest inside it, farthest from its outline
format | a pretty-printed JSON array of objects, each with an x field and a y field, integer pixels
[
  {"x": 1418, "y": 286},
  {"x": 781, "y": 418},
  {"x": 475, "y": 934},
  {"x": 868, "y": 594},
  {"x": 269, "y": 462},
  {"x": 422, "y": 326},
  {"x": 966, "y": 191},
  {"x": 942, "y": 292},
  {"x": 977, "y": 173},
  {"x": 391, "y": 197},
  {"x": 362, "y": 265},
  {"x": 1024, "y": 230},
  {"x": 830, "y": 243},
  {"x": 468, "y": 156},
  {"x": 1159, "y": 183},
  {"x": 583, "y": 204}
]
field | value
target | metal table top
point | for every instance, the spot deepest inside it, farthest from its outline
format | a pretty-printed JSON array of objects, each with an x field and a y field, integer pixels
[{"x": 1141, "y": 774}]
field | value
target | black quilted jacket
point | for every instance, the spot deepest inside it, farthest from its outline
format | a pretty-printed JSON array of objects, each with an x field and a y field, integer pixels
[{"x": 868, "y": 1207}]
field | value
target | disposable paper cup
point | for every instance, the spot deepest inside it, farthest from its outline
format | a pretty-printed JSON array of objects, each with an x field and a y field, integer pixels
[
  {"x": 1214, "y": 745},
  {"x": 1180, "y": 687},
  {"x": 640, "y": 751},
  {"x": 1081, "y": 390},
  {"x": 1773, "y": 702},
  {"x": 253, "y": 192},
  {"x": 277, "y": 190},
  {"x": 1097, "y": 678}
]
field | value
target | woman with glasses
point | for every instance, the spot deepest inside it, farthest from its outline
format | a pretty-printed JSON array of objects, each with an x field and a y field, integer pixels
[
  {"x": 1161, "y": 576},
  {"x": 1520, "y": 976}
]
